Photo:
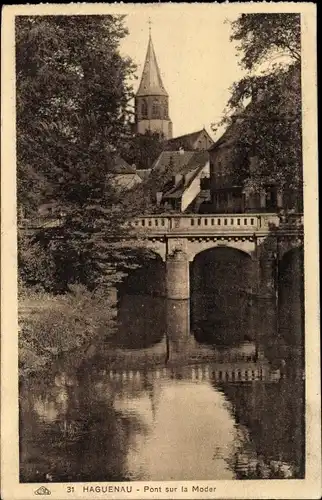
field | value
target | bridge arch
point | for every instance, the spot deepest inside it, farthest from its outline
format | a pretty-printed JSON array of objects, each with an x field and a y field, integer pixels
[
  {"x": 154, "y": 246},
  {"x": 140, "y": 303},
  {"x": 286, "y": 245},
  {"x": 246, "y": 246},
  {"x": 291, "y": 295},
  {"x": 226, "y": 247},
  {"x": 221, "y": 284},
  {"x": 147, "y": 275}
]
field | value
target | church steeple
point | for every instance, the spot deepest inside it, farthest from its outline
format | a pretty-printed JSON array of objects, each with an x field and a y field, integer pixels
[
  {"x": 152, "y": 100},
  {"x": 151, "y": 81}
]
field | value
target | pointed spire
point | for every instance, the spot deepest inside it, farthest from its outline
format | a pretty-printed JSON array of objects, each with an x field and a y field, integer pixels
[{"x": 151, "y": 82}]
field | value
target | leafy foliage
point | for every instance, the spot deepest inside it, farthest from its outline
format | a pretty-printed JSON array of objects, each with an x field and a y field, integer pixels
[
  {"x": 61, "y": 325},
  {"x": 262, "y": 36},
  {"x": 36, "y": 267},
  {"x": 73, "y": 119},
  {"x": 264, "y": 109},
  {"x": 72, "y": 97},
  {"x": 144, "y": 149}
]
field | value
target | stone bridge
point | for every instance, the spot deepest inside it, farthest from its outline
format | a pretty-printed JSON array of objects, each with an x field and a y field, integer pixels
[
  {"x": 177, "y": 239},
  {"x": 265, "y": 238}
]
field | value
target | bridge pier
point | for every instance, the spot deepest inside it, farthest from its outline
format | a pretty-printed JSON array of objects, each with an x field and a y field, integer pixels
[
  {"x": 268, "y": 275},
  {"x": 267, "y": 297},
  {"x": 177, "y": 276},
  {"x": 178, "y": 327}
]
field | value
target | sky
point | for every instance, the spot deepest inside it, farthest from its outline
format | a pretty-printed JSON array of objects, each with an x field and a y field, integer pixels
[{"x": 197, "y": 61}]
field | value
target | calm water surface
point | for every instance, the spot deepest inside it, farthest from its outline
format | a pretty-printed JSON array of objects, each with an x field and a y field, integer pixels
[{"x": 175, "y": 395}]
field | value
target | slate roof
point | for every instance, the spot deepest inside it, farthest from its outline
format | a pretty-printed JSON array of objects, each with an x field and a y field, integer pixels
[
  {"x": 122, "y": 167},
  {"x": 199, "y": 159},
  {"x": 126, "y": 181},
  {"x": 187, "y": 141},
  {"x": 144, "y": 173},
  {"x": 151, "y": 81},
  {"x": 179, "y": 161},
  {"x": 230, "y": 134},
  {"x": 190, "y": 170}
]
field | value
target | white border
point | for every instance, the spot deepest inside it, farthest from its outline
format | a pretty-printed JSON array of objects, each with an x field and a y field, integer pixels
[{"x": 310, "y": 487}]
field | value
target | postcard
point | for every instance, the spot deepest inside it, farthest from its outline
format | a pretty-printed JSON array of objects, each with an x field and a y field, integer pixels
[{"x": 160, "y": 269}]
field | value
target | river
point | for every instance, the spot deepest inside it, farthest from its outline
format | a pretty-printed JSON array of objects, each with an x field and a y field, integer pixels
[{"x": 169, "y": 397}]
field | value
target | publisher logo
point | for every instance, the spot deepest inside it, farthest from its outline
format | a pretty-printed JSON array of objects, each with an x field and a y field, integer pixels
[{"x": 42, "y": 491}]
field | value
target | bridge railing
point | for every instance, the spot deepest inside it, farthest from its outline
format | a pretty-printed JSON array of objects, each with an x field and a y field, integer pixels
[
  {"x": 196, "y": 222},
  {"x": 211, "y": 222}
]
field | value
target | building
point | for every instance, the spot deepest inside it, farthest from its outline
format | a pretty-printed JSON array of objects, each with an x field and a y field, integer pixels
[
  {"x": 226, "y": 181},
  {"x": 232, "y": 168},
  {"x": 152, "y": 100},
  {"x": 229, "y": 192},
  {"x": 195, "y": 141},
  {"x": 144, "y": 173},
  {"x": 184, "y": 180},
  {"x": 123, "y": 176}
]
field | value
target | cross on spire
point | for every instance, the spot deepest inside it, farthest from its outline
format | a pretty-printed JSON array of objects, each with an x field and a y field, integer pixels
[{"x": 149, "y": 23}]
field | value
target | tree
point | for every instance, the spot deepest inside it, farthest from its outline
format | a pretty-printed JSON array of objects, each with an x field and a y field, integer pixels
[
  {"x": 72, "y": 94},
  {"x": 267, "y": 103},
  {"x": 73, "y": 116},
  {"x": 263, "y": 36},
  {"x": 144, "y": 149}
]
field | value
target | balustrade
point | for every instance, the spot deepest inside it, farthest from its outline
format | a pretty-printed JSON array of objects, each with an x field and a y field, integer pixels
[
  {"x": 152, "y": 223},
  {"x": 196, "y": 222},
  {"x": 223, "y": 222},
  {"x": 215, "y": 222},
  {"x": 211, "y": 223}
]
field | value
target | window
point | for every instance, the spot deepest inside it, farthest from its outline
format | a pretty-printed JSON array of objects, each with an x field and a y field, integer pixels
[
  {"x": 205, "y": 183},
  {"x": 271, "y": 198},
  {"x": 144, "y": 109},
  {"x": 165, "y": 111},
  {"x": 156, "y": 111}
]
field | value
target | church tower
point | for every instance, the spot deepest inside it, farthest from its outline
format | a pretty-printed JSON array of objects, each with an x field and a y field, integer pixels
[{"x": 152, "y": 100}]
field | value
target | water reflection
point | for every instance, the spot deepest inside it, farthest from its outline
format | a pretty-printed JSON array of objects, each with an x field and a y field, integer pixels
[
  {"x": 209, "y": 421},
  {"x": 170, "y": 398}
]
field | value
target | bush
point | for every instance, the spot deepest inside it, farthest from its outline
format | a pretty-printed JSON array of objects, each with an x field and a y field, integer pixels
[{"x": 54, "y": 325}]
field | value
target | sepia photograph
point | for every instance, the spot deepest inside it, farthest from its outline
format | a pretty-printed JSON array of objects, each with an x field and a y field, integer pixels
[{"x": 162, "y": 294}]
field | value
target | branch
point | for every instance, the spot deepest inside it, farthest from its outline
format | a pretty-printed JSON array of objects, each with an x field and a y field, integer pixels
[{"x": 295, "y": 53}]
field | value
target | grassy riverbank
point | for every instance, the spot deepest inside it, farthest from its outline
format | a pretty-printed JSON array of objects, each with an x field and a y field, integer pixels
[{"x": 51, "y": 325}]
